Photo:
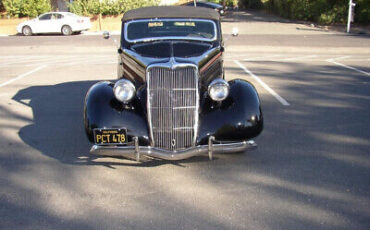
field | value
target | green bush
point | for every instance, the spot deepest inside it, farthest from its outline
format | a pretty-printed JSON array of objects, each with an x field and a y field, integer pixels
[
  {"x": 22, "y": 8},
  {"x": 251, "y": 4},
  {"x": 322, "y": 11},
  {"x": 107, "y": 7},
  {"x": 2, "y": 8},
  {"x": 362, "y": 11}
]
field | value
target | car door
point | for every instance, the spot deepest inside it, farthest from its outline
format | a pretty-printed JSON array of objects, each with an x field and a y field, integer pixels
[
  {"x": 58, "y": 21},
  {"x": 44, "y": 23}
]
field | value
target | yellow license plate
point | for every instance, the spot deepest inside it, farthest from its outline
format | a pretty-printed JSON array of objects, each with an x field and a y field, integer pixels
[{"x": 110, "y": 136}]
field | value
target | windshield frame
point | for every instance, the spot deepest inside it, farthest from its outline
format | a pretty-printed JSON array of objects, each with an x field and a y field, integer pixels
[{"x": 149, "y": 39}]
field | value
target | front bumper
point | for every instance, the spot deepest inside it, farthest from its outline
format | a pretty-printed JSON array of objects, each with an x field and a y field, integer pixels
[{"x": 135, "y": 151}]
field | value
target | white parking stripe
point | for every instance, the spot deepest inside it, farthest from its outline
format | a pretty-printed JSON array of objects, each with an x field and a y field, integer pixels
[
  {"x": 339, "y": 58},
  {"x": 298, "y": 58},
  {"x": 95, "y": 60},
  {"x": 25, "y": 60},
  {"x": 62, "y": 60},
  {"x": 22, "y": 75},
  {"x": 263, "y": 57},
  {"x": 264, "y": 85},
  {"x": 348, "y": 67}
]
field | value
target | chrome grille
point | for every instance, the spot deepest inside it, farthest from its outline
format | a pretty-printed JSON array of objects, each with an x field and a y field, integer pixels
[{"x": 173, "y": 106}]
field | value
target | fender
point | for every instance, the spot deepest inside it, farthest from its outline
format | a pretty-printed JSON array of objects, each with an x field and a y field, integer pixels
[
  {"x": 237, "y": 118},
  {"x": 102, "y": 109}
]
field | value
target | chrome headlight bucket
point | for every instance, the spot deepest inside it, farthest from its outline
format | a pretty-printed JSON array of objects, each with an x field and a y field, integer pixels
[
  {"x": 124, "y": 90},
  {"x": 218, "y": 89}
]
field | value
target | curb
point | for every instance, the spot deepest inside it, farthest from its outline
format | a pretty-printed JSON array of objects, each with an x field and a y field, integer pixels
[
  {"x": 88, "y": 33},
  {"x": 84, "y": 33}
]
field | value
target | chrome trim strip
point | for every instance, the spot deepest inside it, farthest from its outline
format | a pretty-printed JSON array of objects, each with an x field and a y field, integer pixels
[
  {"x": 130, "y": 151},
  {"x": 170, "y": 37}
]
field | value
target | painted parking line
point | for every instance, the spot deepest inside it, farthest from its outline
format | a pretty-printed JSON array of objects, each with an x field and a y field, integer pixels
[
  {"x": 262, "y": 58},
  {"x": 23, "y": 75},
  {"x": 298, "y": 58},
  {"x": 293, "y": 58},
  {"x": 62, "y": 60},
  {"x": 263, "y": 84},
  {"x": 334, "y": 61},
  {"x": 25, "y": 60},
  {"x": 95, "y": 60},
  {"x": 52, "y": 60}
]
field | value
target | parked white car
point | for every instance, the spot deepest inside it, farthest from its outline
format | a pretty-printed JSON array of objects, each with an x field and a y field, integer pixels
[{"x": 55, "y": 22}]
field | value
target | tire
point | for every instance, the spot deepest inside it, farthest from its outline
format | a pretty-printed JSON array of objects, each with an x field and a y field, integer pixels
[
  {"x": 66, "y": 30},
  {"x": 26, "y": 31}
]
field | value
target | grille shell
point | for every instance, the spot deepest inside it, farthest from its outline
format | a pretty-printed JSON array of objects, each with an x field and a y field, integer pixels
[{"x": 173, "y": 104}]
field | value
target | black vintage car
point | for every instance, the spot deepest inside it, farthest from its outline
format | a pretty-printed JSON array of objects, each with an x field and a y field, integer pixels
[{"x": 171, "y": 100}]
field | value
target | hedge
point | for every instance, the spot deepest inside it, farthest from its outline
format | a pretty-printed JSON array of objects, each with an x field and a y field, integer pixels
[
  {"x": 321, "y": 11},
  {"x": 2, "y": 8},
  {"x": 31, "y": 8},
  {"x": 107, "y": 7}
]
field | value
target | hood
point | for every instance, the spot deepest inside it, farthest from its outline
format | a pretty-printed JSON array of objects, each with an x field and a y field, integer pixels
[{"x": 197, "y": 53}]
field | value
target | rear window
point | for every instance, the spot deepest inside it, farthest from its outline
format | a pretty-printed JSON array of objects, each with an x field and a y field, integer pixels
[{"x": 189, "y": 29}]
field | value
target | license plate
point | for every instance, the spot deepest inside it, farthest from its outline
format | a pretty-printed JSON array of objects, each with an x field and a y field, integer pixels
[{"x": 110, "y": 136}]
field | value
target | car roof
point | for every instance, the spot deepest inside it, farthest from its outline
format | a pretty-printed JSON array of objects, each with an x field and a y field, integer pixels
[
  {"x": 171, "y": 12},
  {"x": 204, "y": 2},
  {"x": 58, "y": 12}
]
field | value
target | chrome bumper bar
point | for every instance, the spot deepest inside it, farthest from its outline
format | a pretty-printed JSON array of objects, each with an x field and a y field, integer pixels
[{"x": 136, "y": 151}]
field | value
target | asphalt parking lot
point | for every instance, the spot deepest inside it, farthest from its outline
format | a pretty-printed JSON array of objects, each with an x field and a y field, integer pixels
[{"x": 311, "y": 169}]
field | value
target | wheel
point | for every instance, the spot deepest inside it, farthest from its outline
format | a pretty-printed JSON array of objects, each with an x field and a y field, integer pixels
[
  {"x": 27, "y": 31},
  {"x": 66, "y": 30}
]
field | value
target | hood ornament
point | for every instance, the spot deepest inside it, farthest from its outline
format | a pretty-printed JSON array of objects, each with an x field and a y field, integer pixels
[{"x": 172, "y": 63}]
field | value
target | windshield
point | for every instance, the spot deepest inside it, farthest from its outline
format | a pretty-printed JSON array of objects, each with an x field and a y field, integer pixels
[{"x": 148, "y": 30}]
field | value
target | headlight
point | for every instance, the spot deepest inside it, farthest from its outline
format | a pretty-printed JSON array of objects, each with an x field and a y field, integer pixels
[
  {"x": 124, "y": 90},
  {"x": 218, "y": 90}
]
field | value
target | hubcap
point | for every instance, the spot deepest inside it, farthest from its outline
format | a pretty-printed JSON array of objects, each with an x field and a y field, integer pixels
[
  {"x": 66, "y": 30},
  {"x": 26, "y": 31}
]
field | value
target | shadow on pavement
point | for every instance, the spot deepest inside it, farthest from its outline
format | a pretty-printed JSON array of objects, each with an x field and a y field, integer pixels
[
  {"x": 310, "y": 171},
  {"x": 57, "y": 129}
]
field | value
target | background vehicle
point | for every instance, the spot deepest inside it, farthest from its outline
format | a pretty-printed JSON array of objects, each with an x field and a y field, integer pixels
[
  {"x": 211, "y": 5},
  {"x": 55, "y": 22},
  {"x": 171, "y": 100}
]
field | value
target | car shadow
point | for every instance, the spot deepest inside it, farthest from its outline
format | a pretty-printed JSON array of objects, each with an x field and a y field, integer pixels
[{"x": 57, "y": 128}]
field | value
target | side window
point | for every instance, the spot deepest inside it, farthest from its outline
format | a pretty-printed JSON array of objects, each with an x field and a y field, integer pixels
[
  {"x": 45, "y": 17},
  {"x": 58, "y": 16}
]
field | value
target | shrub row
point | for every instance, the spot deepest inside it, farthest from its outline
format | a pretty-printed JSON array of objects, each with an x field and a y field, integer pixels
[
  {"x": 31, "y": 8},
  {"x": 107, "y": 7},
  {"x": 321, "y": 11},
  {"x": 2, "y": 8}
]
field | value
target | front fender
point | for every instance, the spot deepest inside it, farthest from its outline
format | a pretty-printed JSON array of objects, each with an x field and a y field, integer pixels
[
  {"x": 103, "y": 110},
  {"x": 237, "y": 118}
]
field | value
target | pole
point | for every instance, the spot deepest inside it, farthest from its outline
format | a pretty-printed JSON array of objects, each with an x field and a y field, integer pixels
[
  {"x": 100, "y": 15},
  {"x": 195, "y": 3},
  {"x": 349, "y": 16}
]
